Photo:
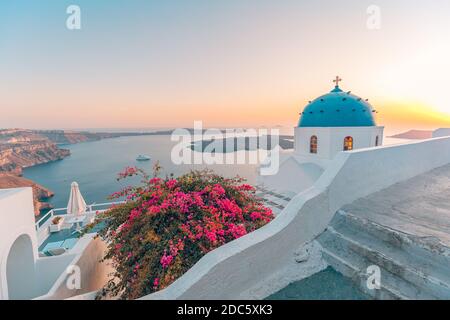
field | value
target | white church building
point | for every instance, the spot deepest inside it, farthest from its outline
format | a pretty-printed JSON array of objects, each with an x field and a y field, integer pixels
[{"x": 334, "y": 122}]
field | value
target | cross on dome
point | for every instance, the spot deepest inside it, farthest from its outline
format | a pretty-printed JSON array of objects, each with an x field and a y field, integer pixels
[{"x": 337, "y": 80}]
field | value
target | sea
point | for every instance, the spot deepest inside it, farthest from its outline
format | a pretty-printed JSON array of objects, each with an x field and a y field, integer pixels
[{"x": 96, "y": 164}]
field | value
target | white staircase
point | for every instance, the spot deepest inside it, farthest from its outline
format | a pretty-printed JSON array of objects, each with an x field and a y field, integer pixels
[
  {"x": 411, "y": 267},
  {"x": 276, "y": 200}
]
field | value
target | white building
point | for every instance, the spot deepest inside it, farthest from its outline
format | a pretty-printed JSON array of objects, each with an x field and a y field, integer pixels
[
  {"x": 27, "y": 270},
  {"x": 18, "y": 245},
  {"x": 334, "y": 122}
]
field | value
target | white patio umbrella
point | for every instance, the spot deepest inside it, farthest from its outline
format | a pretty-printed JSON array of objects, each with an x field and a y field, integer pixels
[{"x": 77, "y": 205}]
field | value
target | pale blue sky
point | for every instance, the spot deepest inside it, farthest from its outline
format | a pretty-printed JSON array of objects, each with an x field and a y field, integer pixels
[{"x": 234, "y": 62}]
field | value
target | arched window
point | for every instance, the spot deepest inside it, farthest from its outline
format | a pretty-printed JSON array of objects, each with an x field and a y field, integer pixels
[
  {"x": 348, "y": 143},
  {"x": 313, "y": 144},
  {"x": 376, "y": 141}
]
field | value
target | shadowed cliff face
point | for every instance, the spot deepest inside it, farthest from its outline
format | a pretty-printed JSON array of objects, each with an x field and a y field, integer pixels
[
  {"x": 40, "y": 193},
  {"x": 24, "y": 148}
]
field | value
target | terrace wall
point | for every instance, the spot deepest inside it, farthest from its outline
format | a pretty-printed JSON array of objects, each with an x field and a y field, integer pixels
[{"x": 93, "y": 274}]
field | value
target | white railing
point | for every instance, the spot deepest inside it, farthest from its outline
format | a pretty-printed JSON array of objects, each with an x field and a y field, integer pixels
[
  {"x": 42, "y": 224},
  {"x": 47, "y": 216}
]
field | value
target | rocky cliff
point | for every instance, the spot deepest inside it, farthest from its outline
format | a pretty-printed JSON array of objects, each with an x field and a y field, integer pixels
[
  {"x": 23, "y": 148},
  {"x": 40, "y": 193},
  {"x": 71, "y": 137}
]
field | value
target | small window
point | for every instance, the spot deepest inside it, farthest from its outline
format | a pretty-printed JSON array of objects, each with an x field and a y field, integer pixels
[
  {"x": 313, "y": 144},
  {"x": 348, "y": 143},
  {"x": 377, "y": 141}
]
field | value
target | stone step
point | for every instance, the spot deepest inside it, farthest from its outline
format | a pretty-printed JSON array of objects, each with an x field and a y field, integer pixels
[
  {"x": 360, "y": 278},
  {"x": 423, "y": 254},
  {"x": 355, "y": 267},
  {"x": 284, "y": 196},
  {"x": 430, "y": 286},
  {"x": 276, "y": 200}
]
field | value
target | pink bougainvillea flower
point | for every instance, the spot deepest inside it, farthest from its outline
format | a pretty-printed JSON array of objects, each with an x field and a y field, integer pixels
[
  {"x": 155, "y": 181},
  {"x": 237, "y": 231},
  {"x": 255, "y": 215},
  {"x": 171, "y": 184},
  {"x": 154, "y": 210},
  {"x": 211, "y": 236},
  {"x": 166, "y": 260},
  {"x": 128, "y": 172},
  {"x": 167, "y": 225},
  {"x": 217, "y": 190}
]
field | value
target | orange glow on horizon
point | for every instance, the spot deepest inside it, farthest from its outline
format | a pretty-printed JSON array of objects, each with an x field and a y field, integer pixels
[{"x": 412, "y": 115}]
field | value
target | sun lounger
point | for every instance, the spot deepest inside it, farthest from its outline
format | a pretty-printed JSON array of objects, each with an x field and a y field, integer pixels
[
  {"x": 52, "y": 245},
  {"x": 69, "y": 243},
  {"x": 56, "y": 251}
]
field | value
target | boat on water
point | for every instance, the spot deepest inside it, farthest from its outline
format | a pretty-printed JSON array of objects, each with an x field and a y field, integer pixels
[{"x": 143, "y": 158}]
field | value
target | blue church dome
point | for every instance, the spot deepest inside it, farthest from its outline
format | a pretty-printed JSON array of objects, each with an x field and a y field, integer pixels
[{"x": 337, "y": 109}]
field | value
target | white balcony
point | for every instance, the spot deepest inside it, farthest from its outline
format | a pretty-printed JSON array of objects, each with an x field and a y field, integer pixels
[{"x": 67, "y": 237}]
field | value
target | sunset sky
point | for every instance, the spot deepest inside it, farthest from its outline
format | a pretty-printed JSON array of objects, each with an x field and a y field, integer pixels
[{"x": 229, "y": 63}]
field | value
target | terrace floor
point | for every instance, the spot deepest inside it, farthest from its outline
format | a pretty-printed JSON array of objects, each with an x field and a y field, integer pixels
[
  {"x": 66, "y": 238},
  {"x": 57, "y": 239},
  {"x": 419, "y": 206}
]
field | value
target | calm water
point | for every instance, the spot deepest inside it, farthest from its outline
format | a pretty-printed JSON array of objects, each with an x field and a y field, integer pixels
[{"x": 94, "y": 165}]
